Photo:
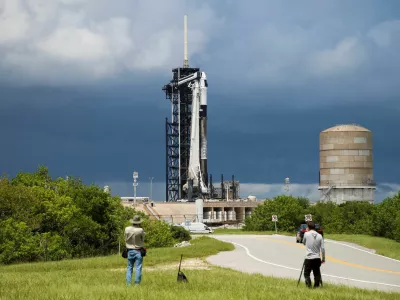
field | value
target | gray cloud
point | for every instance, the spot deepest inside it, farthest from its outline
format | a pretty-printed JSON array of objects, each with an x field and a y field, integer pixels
[
  {"x": 74, "y": 42},
  {"x": 324, "y": 46}
]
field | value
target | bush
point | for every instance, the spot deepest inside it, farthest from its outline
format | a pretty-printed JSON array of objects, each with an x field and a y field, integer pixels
[
  {"x": 50, "y": 219},
  {"x": 17, "y": 244},
  {"x": 288, "y": 209},
  {"x": 158, "y": 234},
  {"x": 180, "y": 234}
]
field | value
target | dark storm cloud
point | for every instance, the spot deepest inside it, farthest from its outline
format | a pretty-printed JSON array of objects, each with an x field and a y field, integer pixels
[
  {"x": 105, "y": 138},
  {"x": 93, "y": 136}
]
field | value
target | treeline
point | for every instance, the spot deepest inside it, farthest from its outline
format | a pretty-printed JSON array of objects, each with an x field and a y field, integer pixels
[
  {"x": 382, "y": 219},
  {"x": 44, "y": 219}
]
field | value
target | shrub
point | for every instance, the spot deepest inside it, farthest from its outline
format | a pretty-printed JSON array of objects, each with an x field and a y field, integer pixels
[
  {"x": 158, "y": 234},
  {"x": 180, "y": 234},
  {"x": 287, "y": 208}
]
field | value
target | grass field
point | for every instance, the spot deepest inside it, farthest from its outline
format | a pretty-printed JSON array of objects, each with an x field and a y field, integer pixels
[
  {"x": 382, "y": 246},
  {"x": 104, "y": 278}
]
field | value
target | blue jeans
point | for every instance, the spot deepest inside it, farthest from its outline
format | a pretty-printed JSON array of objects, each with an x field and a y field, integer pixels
[{"x": 134, "y": 256}]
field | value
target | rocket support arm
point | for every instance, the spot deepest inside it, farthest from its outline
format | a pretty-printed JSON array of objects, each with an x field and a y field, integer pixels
[{"x": 187, "y": 79}]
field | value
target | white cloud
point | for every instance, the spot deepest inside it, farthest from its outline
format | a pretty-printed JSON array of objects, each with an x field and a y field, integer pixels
[
  {"x": 14, "y": 22},
  {"x": 260, "y": 190},
  {"x": 347, "y": 55},
  {"x": 80, "y": 40},
  {"x": 386, "y": 33},
  {"x": 266, "y": 44}
]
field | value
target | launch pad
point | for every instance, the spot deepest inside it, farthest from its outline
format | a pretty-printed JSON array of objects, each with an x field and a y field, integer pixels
[{"x": 186, "y": 137}]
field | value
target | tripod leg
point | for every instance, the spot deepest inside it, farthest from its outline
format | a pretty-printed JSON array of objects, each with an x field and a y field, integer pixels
[
  {"x": 179, "y": 270},
  {"x": 301, "y": 272}
]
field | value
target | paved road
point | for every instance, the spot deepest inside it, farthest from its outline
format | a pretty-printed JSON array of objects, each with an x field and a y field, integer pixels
[{"x": 281, "y": 256}]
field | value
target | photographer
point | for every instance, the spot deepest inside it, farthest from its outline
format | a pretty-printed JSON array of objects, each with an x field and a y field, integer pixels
[
  {"x": 314, "y": 243},
  {"x": 134, "y": 242}
]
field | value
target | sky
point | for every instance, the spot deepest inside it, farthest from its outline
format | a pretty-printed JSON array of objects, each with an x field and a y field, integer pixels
[{"x": 81, "y": 87}]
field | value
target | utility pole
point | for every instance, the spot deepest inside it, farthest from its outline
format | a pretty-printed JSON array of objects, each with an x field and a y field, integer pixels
[
  {"x": 287, "y": 184},
  {"x": 151, "y": 188},
  {"x": 135, "y": 184}
]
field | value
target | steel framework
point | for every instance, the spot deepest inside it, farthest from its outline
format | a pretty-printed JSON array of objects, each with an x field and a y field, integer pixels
[{"x": 178, "y": 135}]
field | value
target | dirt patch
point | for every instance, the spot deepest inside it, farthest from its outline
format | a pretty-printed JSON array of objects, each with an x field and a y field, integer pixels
[{"x": 187, "y": 264}]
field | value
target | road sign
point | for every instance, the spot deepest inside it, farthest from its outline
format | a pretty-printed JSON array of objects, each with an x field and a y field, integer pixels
[
  {"x": 308, "y": 218},
  {"x": 275, "y": 219}
]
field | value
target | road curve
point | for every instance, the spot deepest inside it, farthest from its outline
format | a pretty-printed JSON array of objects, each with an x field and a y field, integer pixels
[{"x": 281, "y": 256}]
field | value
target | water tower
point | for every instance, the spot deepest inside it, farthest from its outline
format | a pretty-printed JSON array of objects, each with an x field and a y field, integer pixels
[{"x": 346, "y": 164}]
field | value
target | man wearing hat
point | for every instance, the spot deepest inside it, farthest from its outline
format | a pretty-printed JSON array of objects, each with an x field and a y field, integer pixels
[{"x": 134, "y": 241}]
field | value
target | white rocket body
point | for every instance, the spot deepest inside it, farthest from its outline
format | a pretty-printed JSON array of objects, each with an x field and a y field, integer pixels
[{"x": 203, "y": 127}]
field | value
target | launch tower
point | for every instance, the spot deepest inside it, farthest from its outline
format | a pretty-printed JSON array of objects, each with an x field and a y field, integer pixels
[{"x": 186, "y": 133}]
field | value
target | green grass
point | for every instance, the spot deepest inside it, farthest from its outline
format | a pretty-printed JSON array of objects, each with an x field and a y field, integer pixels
[
  {"x": 104, "y": 278},
  {"x": 201, "y": 247}
]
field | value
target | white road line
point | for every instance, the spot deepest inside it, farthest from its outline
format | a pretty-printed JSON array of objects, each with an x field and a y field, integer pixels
[
  {"x": 295, "y": 269},
  {"x": 353, "y": 247},
  {"x": 334, "y": 242}
]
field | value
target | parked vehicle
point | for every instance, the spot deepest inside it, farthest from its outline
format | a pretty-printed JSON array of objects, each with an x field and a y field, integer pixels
[
  {"x": 196, "y": 227},
  {"x": 303, "y": 228}
]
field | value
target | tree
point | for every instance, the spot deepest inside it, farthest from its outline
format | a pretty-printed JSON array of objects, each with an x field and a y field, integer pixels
[
  {"x": 386, "y": 218},
  {"x": 287, "y": 208}
]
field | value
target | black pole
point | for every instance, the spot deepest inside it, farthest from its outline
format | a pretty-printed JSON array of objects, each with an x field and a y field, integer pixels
[
  {"x": 301, "y": 272},
  {"x": 211, "y": 188},
  {"x": 166, "y": 159}
]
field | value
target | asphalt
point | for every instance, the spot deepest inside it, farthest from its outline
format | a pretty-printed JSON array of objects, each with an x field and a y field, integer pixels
[{"x": 281, "y": 256}]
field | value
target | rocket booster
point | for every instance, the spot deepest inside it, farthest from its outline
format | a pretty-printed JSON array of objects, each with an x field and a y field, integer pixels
[{"x": 203, "y": 127}]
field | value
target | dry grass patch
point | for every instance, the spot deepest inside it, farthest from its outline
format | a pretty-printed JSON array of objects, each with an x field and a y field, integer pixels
[{"x": 187, "y": 264}]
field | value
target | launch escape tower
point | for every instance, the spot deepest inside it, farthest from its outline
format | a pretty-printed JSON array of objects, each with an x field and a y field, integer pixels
[{"x": 186, "y": 137}]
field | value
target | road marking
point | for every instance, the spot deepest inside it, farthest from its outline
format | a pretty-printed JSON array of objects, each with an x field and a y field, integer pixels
[
  {"x": 332, "y": 259},
  {"x": 334, "y": 242},
  {"x": 346, "y": 245},
  {"x": 295, "y": 269}
]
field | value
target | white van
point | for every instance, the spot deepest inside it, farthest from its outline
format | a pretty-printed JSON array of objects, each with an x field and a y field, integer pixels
[{"x": 197, "y": 227}]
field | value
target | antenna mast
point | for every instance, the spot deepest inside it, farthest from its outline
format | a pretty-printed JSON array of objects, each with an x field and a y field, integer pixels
[{"x": 185, "y": 44}]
